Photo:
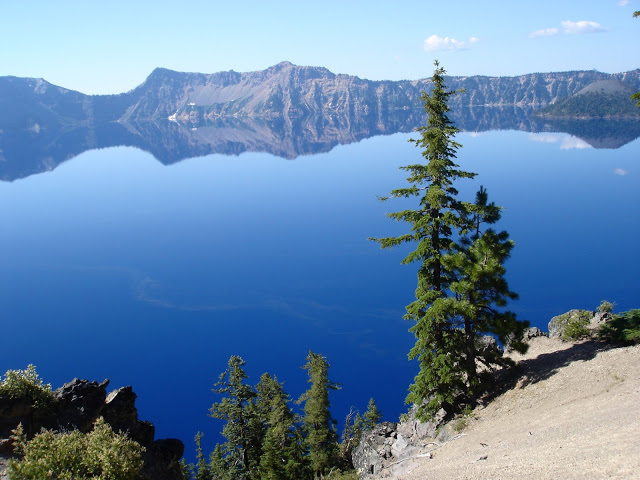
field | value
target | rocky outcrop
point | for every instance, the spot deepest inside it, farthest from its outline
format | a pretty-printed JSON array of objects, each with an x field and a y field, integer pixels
[
  {"x": 560, "y": 323},
  {"x": 120, "y": 412},
  {"x": 391, "y": 449},
  {"x": 77, "y": 405},
  {"x": 585, "y": 322}
]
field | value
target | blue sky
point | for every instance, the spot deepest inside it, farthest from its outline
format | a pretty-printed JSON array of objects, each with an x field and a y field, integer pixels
[{"x": 111, "y": 46}]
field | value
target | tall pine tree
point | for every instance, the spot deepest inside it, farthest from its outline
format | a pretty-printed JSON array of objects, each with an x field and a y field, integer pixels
[
  {"x": 282, "y": 450},
  {"x": 243, "y": 428},
  {"x": 447, "y": 313},
  {"x": 201, "y": 469},
  {"x": 321, "y": 439}
]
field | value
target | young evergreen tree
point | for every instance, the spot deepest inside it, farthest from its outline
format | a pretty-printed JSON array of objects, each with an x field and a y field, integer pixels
[
  {"x": 282, "y": 450},
  {"x": 201, "y": 469},
  {"x": 372, "y": 416},
  {"x": 218, "y": 465},
  {"x": 481, "y": 291},
  {"x": 321, "y": 439},
  {"x": 450, "y": 245},
  {"x": 243, "y": 429}
]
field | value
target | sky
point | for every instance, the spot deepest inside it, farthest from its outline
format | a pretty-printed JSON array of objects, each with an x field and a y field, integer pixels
[{"x": 99, "y": 47}]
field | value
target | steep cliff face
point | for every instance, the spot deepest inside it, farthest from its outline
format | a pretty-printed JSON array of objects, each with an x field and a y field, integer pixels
[
  {"x": 535, "y": 89},
  {"x": 292, "y": 91},
  {"x": 283, "y": 91}
]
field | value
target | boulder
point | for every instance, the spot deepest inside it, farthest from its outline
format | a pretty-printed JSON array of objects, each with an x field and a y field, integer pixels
[
  {"x": 162, "y": 460},
  {"x": 4, "y": 467},
  {"x": 559, "y": 323},
  {"x": 12, "y": 412},
  {"x": 120, "y": 412},
  {"x": 600, "y": 317},
  {"x": 533, "y": 332},
  {"x": 487, "y": 346}
]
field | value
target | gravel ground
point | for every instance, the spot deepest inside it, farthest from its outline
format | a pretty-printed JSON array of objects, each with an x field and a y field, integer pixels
[{"x": 575, "y": 414}]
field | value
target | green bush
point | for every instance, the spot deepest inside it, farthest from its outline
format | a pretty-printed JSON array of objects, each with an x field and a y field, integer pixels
[
  {"x": 577, "y": 327},
  {"x": 97, "y": 455},
  {"x": 340, "y": 475},
  {"x": 605, "y": 307},
  {"x": 623, "y": 328},
  {"x": 27, "y": 383}
]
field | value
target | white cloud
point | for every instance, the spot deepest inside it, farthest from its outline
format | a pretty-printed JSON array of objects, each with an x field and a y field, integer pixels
[
  {"x": 573, "y": 142},
  {"x": 582, "y": 26},
  {"x": 546, "y": 32},
  {"x": 621, "y": 171},
  {"x": 569, "y": 27},
  {"x": 543, "y": 138},
  {"x": 624, "y": 3},
  {"x": 436, "y": 43}
]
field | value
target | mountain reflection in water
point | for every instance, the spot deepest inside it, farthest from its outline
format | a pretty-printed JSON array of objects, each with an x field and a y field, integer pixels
[{"x": 34, "y": 148}]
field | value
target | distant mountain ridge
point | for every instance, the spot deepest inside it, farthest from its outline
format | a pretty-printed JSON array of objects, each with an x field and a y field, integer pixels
[
  {"x": 282, "y": 91},
  {"x": 285, "y": 110}
]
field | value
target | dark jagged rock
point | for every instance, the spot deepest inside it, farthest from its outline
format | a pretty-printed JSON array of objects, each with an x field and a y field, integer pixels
[
  {"x": 77, "y": 405},
  {"x": 120, "y": 412},
  {"x": 162, "y": 460},
  {"x": 12, "y": 412}
]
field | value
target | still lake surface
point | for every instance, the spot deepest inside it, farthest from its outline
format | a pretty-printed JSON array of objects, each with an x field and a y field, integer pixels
[{"x": 116, "y": 266}]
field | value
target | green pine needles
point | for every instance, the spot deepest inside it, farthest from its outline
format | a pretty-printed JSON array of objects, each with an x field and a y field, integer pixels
[
  {"x": 317, "y": 424},
  {"x": 265, "y": 438},
  {"x": 461, "y": 286}
]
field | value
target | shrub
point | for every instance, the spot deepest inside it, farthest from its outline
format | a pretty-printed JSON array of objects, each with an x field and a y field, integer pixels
[
  {"x": 27, "y": 383},
  {"x": 97, "y": 455},
  {"x": 340, "y": 475},
  {"x": 605, "y": 307},
  {"x": 577, "y": 326},
  {"x": 623, "y": 328}
]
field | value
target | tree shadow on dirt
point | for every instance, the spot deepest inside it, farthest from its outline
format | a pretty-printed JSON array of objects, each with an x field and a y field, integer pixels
[{"x": 544, "y": 366}]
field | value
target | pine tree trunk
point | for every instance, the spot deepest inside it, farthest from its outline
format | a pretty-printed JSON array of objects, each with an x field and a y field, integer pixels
[{"x": 472, "y": 374}]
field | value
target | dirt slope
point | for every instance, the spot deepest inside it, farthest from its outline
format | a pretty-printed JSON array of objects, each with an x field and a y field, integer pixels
[{"x": 575, "y": 415}]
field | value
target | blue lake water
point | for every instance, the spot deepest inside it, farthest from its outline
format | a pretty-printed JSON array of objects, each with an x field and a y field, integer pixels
[{"x": 116, "y": 266}]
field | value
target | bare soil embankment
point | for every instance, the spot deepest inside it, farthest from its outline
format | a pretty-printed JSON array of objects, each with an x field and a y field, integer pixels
[{"x": 574, "y": 413}]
